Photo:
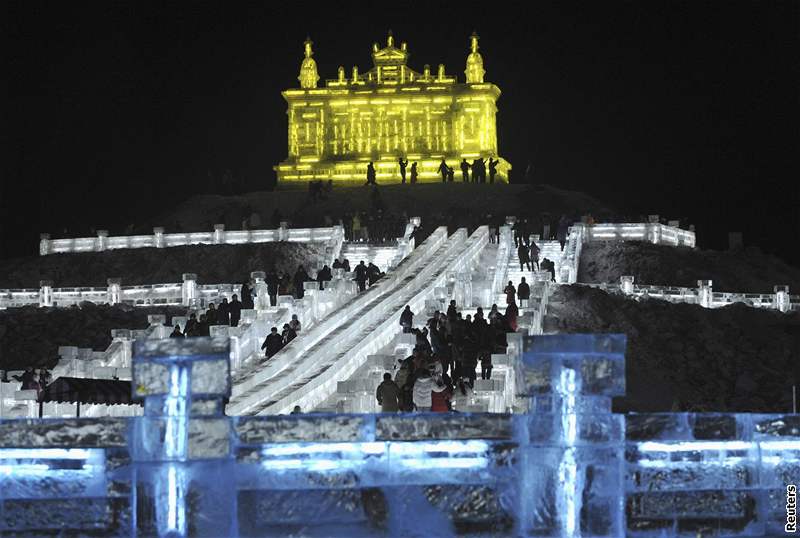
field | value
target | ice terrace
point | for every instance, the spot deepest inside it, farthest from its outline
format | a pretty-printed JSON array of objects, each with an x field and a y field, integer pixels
[{"x": 563, "y": 467}]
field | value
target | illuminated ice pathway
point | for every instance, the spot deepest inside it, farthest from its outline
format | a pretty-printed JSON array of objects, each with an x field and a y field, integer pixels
[{"x": 564, "y": 467}]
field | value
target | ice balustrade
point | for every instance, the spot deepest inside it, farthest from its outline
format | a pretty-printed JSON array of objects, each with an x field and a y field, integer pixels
[
  {"x": 159, "y": 239},
  {"x": 704, "y": 295},
  {"x": 651, "y": 232},
  {"x": 566, "y": 467}
]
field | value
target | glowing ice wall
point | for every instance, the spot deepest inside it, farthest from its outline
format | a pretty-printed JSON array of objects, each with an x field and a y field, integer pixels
[{"x": 567, "y": 467}]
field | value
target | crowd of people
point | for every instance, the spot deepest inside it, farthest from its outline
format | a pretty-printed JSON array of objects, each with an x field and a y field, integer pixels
[
  {"x": 440, "y": 373},
  {"x": 30, "y": 379},
  {"x": 475, "y": 172}
]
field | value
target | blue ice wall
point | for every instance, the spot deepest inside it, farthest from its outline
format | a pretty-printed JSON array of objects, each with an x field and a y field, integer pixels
[{"x": 567, "y": 467}]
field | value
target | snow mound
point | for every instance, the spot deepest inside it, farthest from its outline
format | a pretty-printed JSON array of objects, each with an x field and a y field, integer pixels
[
  {"x": 30, "y": 336},
  {"x": 747, "y": 271},
  {"x": 684, "y": 357},
  {"x": 213, "y": 264}
]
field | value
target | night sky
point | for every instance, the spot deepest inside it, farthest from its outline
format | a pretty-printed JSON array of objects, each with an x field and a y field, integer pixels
[{"x": 680, "y": 108}]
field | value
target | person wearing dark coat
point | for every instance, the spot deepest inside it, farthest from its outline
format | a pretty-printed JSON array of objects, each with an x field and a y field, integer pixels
[
  {"x": 288, "y": 334},
  {"x": 247, "y": 296},
  {"x": 407, "y": 319},
  {"x": 201, "y": 328},
  {"x": 443, "y": 169},
  {"x": 300, "y": 276},
  {"x": 524, "y": 259},
  {"x": 370, "y": 174},
  {"x": 28, "y": 378},
  {"x": 361, "y": 276},
  {"x": 523, "y": 290},
  {"x": 235, "y": 309},
  {"x": 224, "y": 312},
  {"x": 191, "y": 326},
  {"x": 492, "y": 169},
  {"x": 413, "y": 173},
  {"x": 510, "y": 292},
  {"x": 451, "y": 311},
  {"x": 563, "y": 229},
  {"x": 272, "y": 343},
  {"x": 535, "y": 255},
  {"x": 373, "y": 273},
  {"x": 464, "y": 170},
  {"x": 325, "y": 275},
  {"x": 403, "y": 165},
  {"x": 272, "y": 289},
  {"x": 211, "y": 314},
  {"x": 388, "y": 395},
  {"x": 176, "y": 332}
]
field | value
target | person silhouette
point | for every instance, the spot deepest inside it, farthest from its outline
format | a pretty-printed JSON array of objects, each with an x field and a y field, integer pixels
[
  {"x": 413, "y": 173},
  {"x": 476, "y": 170},
  {"x": 492, "y": 169},
  {"x": 450, "y": 174},
  {"x": 370, "y": 174},
  {"x": 465, "y": 170},
  {"x": 443, "y": 168},
  {"x": 403, "y": 165}
]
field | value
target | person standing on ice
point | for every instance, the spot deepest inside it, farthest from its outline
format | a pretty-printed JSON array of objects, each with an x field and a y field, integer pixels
[
  {"x": 403, "y": 165},
  {"x": 524, "y": 259},
  {"x": 443, "y": 169},
  {"x": 535, "y": 255},
  {"x": 361, "y": 276},
  {"x": 235, "y": 309},
  {"x": 523, "y": 291},
  {"x": 272, "y": 343},
  {"x": 407, "y": 319},
  {"x": 370, "y": 174},
  {"x": 563, "y": 228},
  {"x": 413, "y": 173},
  {"x": 510, "y": 292},
  {"x": 388, "y": 395},
  {"x": 465, "y": 170}
]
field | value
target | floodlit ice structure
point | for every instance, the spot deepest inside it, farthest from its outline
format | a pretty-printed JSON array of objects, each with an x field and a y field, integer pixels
[{"x": 566, "y": 467}]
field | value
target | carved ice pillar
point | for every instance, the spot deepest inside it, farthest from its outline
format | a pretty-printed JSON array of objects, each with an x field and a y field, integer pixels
[
  {"x": 219, "y": 234},
  {"x": 45, "y": 244},
  {"x": 158, "y": 237},
  {"x": 705, "y": 293},
  {"x": 626, "y": 284},
  {"x": 262, "y": 295},
  {"x": 189, "y": 289},
  {"x": 102, "y": 240},
  {"x": 45, "y": 293},
  {"x": 114, "y": 293},
  {"x": 571, "y": 455},
  {"x": 181, "y": 448},
  {"x": 782, "y": 298}
]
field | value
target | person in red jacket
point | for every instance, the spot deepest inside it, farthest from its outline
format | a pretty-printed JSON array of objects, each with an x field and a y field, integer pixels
[{"x": 440, "y": 397}]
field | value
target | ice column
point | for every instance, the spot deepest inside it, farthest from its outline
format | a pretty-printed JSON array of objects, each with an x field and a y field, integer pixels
[
  {"x": 782, "y": 298},
  {"x": 219, "y": 234},
  {"x": 189, "y": 289},
  {"x": 283, "y": 231},
  {"x": 45, "y": 293},
  {"x": 705, "y": 294},
  {"x": 45, "y": 245},
  {"x": 183, "y": 439},
  {"x": 114, "y": 293},
  {"x": 158, "y": 237},
  {"x": 626, "y": 284},
  {"x": 262, "y": 294},
  {"x": 571, "y": 472},
  {"x": 102, "y": 240}
]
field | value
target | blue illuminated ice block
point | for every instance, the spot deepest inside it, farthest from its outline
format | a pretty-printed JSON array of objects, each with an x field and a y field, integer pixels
[
  {"x": 571, "y": 454},
  {"x": 181, "y": 447},
  {"x": 566, "y": 467}
]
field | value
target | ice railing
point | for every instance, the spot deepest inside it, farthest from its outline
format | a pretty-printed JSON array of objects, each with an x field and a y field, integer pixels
[
  {"x": 299, "y": 350},
  {"x": 656, "y": 233},
  {"x": 159, "y": 239},
  {"x": 567, "y": 467},
  {"x": 704, "y": 295}
]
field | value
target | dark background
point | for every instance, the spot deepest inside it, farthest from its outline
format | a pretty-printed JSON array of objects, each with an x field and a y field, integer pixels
[{"x": 680, "y": 108}]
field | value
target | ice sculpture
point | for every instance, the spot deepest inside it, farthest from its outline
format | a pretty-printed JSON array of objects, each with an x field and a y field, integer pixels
[{"x": 566, "y": 467}]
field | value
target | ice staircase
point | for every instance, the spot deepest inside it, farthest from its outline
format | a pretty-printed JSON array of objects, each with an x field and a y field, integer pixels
[
  {"x": 380, "y": 255},
  {"x": 307, "y": 375}
]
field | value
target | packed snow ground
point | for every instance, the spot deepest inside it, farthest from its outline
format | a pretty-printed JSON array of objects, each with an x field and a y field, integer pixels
[
  {"x": 745, "y": 271},
  {"x": 212, "y": 264},
  {"x": 683, "y": 357}
]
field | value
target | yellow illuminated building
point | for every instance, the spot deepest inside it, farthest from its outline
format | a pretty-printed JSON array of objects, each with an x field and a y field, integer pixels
[{"x": 388, "y": 113}]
